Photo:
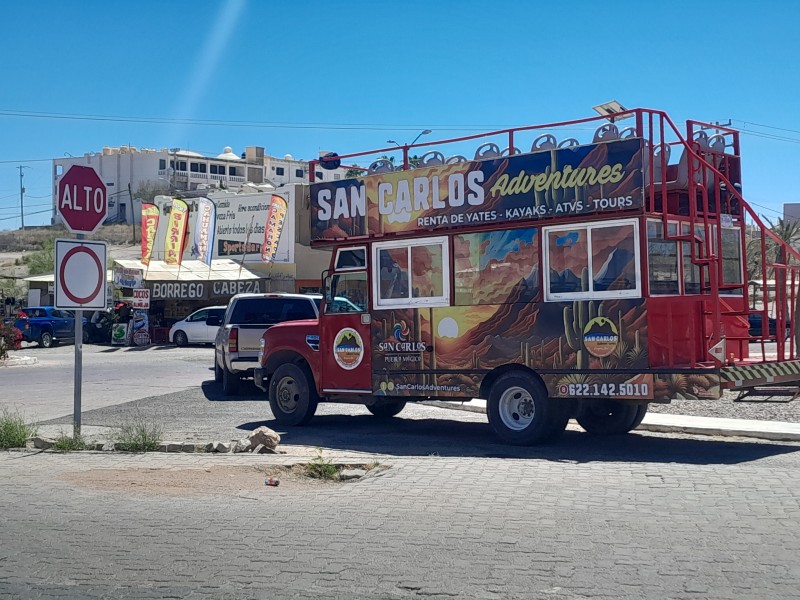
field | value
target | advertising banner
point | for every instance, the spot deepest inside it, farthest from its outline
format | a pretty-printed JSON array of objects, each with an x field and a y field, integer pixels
[
  {"x": 141, "y": 299},
  {"x": 243, "y": 222},
  {"x": 176, "y": 232},
  {"x": 204, "y": 226},
  {"x": 272, "y": 233},
  {"x": 129, "y": 278},
  {"x": 581, "y": 180},
  {"x": 150, "y": 215}
]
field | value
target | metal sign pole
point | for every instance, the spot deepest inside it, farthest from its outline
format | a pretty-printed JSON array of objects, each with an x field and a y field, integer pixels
[{"x": 76, "y": 404}]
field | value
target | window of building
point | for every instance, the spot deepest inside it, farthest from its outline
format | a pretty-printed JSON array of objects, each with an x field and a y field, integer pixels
[
  {"x": 181, "y": 165},
  {"x": 162, "y": 163},
  {"x": 336, "y": 177},
  {"x": 318, "y": 175},
  {"x": 592, "y": 261},
  {"x": 298, "y": 173},
  {"x": 411, "y": 273},
  {"x": 279, "y": 170},
  {"x": 496, "y": 267},
  {"x": 218, "y": 169},
  {"x": 203, "y": 167},
  {"x": 231, "y": 171},
  {"x": 194, "y": 167}
]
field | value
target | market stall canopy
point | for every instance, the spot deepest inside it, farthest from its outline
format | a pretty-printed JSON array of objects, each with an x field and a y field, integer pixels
[
  {"x": 192, "y": 270},
  {"x": 50, "y": 277}
]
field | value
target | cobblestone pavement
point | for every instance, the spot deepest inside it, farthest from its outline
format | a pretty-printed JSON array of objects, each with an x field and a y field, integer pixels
[{"x": 635, "y": 517}]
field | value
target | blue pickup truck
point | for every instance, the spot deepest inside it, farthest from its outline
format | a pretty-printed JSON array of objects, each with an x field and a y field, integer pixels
[{"x": 47, "y": 325}]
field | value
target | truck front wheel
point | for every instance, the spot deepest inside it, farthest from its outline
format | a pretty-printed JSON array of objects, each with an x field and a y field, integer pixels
[
  {"x": 292, "y": 396},
  {"x": 46, "y": 339},
  {"x": 609, "y": 417},
  {"x": 521, "y": 413}
]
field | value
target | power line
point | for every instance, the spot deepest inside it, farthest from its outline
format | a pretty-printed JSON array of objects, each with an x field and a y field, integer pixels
[
  {"x": 767, "y": 126},
  {"x": 38, "y": 212},
  {"x": 224, "y": 123}
]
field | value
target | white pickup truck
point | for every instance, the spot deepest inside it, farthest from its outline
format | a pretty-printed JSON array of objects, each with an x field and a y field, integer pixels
[{"x": 246, "y": 319}]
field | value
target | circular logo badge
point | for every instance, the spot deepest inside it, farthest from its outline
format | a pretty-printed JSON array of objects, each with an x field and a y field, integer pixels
[
  {"x": 348, "y": 348},
  {"x": 600, "y": 336}
]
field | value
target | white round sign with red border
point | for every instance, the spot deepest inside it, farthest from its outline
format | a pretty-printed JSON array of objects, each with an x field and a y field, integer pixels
[{"x": 80, "y": 277}]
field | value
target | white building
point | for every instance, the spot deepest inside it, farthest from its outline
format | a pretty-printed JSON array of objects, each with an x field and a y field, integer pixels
[{"x": 128, "y": 171}]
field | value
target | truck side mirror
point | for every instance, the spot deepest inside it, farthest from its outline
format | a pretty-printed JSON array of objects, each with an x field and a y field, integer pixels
[{"x": 213, "y": 321}]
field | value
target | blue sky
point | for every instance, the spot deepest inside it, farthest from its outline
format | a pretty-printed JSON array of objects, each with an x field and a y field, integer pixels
[{"x": 347, "y": 77}]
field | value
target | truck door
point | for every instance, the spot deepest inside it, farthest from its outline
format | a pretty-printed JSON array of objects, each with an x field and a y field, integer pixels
[{"x": 345, "y": 326}]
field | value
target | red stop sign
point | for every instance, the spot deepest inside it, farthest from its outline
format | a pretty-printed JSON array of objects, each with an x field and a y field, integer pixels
[{"x": 82, "y": 199}]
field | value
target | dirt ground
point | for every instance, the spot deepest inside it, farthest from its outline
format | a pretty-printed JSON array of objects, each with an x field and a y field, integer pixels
[{"x": 217, "y": 480}]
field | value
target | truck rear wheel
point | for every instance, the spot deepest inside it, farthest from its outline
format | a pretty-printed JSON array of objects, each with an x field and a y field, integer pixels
[
  {"x": 293, "y": 398},
  {"x": 387, "y": 409},
  {"x": 521, "y": 413},
  {"x": 230, "y": 382},
  {"x": 608, "y": 417}
]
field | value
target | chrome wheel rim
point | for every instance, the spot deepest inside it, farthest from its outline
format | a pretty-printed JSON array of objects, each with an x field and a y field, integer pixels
[
  {"x": 516, "y": 408},
  {"x": 288, "y": 394}
]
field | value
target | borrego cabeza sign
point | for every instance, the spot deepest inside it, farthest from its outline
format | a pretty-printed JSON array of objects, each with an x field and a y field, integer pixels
[{"x": 197, "y": 290}]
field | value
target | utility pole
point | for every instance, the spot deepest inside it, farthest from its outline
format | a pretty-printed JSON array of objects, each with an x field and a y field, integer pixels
[{"x": 22, "y": 197}]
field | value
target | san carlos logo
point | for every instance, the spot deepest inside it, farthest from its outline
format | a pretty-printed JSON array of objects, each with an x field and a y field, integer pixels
[
  {"x": 348, "y": 348},
  {"x": 600, "y": 337}
]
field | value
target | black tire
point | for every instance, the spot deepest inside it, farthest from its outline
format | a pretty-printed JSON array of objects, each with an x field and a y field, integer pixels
[
  {"x": 46, "y": 339},
  {"x": 387, "y": 410},
  {"x": 217, "y": 372},
  {"x": 293, "y": 398},
  {"x": 607, "y": 417},
  {"x": 230, "y": 382},
  {"x": 640, "y": 414},
  {"x": 521, "y": 413},
  {"x": 180, "y": 339}
]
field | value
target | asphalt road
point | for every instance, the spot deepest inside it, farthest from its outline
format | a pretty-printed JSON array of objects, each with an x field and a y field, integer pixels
[{"x": 456, "y": 514}]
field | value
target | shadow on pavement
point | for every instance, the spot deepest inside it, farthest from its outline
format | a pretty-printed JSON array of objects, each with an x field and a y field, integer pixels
[
  {"x": 248, "y": 392},
  {"x": 448, "y": 437}
]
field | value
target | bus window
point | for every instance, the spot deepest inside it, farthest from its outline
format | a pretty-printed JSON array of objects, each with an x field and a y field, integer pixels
[
  {"x": 411, "y": 273},
  {"x": 731, "y": 257},
  {"x": 426, "y": 271},
  {"x": 613, "y": 252},
  {"x": 662, "y": 256},
  {"x": 568, "y": 260},
  {"x": 593, "y": 261},
  {"x": 393, "y": 276}
]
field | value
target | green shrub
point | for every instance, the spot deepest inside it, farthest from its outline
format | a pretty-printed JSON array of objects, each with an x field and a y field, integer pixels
[
  {"x": 14, "y": 431},
  {"x": 322, "y": 468},
  {"x": 138, "y": 434},
  {"x": 67, "y": 443}
]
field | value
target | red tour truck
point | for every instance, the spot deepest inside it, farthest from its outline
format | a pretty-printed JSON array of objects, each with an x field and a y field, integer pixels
[{"x": 556, "y": 278}]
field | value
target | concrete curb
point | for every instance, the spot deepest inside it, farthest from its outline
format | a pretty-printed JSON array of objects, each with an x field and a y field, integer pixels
[
  {"x": 19, "y": 361},
  {"x": 663, "y": 423}
]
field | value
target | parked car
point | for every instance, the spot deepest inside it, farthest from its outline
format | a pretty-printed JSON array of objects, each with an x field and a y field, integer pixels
[
  {"x": 756, "y": 322},
  {"x": 195, "y": 329},
  {"x": 246, "y": 319},
  {"x": 48, "y": 325}
]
